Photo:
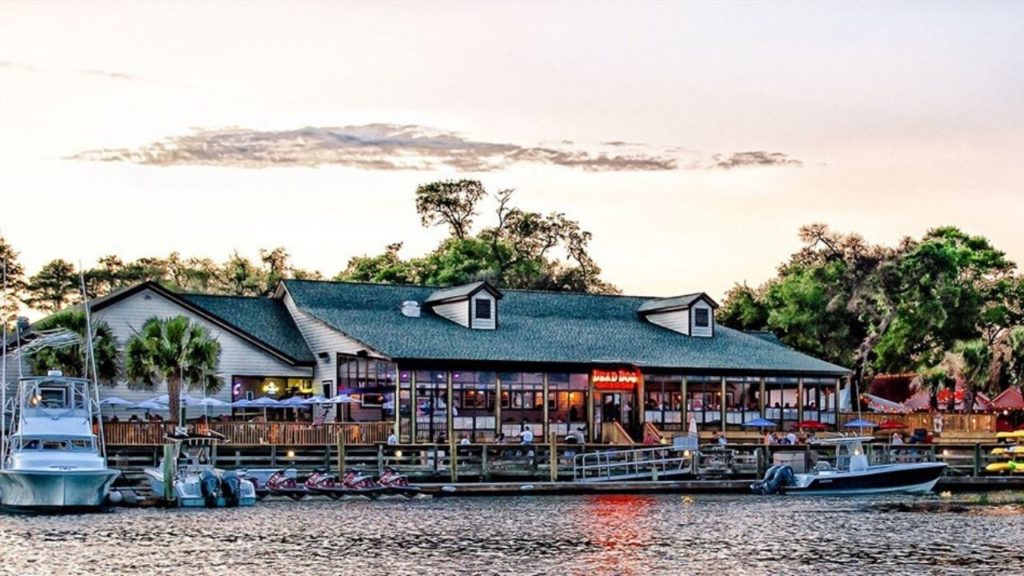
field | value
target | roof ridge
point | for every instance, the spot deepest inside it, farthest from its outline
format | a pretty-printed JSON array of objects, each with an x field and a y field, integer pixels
[{"x": 500, "y": 288}]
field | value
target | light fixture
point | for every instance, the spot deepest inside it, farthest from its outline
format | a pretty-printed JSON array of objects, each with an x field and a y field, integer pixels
[
  {"x": 291, "y": 453},
  {"x": 398, "y": 453}
]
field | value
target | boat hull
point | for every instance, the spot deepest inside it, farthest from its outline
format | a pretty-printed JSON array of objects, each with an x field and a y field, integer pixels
[
  {"x": 55, "y": 490},
  {"x": 906, "y": 478},
  {"x": 187, "y": 494}
]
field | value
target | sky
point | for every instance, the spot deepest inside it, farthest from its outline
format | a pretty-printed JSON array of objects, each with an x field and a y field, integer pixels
[{"x": 692, "y": 139}]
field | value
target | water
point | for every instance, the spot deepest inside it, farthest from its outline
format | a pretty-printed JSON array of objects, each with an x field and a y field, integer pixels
[{"x": 591, "y": 535}]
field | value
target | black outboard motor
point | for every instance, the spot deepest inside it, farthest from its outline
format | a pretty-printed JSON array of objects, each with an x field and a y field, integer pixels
[
  {"x": 775, "y": 480},
  {"x": 231, "y": 488},
  {"x": 209, "y": 487}
]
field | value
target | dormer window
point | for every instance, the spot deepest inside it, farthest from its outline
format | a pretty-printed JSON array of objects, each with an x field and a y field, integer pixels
[
  {"x": 471, "y": 305},
  {"x": 690, "y": 314},
  {"x": 701, "y": 317},
  {"x": 483, "y": 309}
]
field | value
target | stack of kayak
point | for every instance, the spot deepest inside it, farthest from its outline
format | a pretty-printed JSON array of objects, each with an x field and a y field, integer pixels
[{"x": 1011, "y": 455}]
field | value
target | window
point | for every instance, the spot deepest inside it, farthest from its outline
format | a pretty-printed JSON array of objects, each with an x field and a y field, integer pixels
[
  {"x": 701, "y": 317},
  {"x": 483, "y": 309}
]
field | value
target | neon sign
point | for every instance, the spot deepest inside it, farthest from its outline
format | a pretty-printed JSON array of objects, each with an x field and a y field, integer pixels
[{"x": 615, "y": 379}]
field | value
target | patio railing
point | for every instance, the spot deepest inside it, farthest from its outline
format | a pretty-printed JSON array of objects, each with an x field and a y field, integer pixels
[{"x": 253, "y": 433}]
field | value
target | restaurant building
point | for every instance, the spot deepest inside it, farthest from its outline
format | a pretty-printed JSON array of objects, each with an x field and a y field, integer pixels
[{"x": 476, "y": 361}]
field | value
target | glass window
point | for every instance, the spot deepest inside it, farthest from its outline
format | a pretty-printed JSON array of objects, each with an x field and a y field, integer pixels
[
  {"x": 483, "y": 308},
  {"x": 701, "y": 317}
]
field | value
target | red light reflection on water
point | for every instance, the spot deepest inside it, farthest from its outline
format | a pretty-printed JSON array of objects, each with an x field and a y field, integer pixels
[{"x": 618, "y": 527}]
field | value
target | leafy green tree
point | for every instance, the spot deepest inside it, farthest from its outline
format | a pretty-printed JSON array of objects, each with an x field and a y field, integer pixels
[
  {"x": 174, "y": 351},
  {"x": 11, "y": 300},
  {"x": 72, "y": 360},
  {"x": 449, "y": 202},
  {"x": 523, "y": 250},
  {"x": 54, "y": 287}
]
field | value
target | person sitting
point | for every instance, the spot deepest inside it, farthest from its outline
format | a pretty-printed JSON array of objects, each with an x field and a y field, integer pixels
[
  {"x": 133, "y": 418},
  {"x": 791, "y": 439},
  {"x": 769, "y": 438},
  {"x": 500, "y": 438},
  {"x": 465, "y": 440}
]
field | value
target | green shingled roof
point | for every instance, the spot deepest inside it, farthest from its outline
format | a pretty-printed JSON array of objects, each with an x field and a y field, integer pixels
[
  {"x": 540, "y": 327},
  {"x": 264, "y": 319}
]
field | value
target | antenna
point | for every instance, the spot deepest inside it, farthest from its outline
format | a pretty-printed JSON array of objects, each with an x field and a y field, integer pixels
[{"x": 90, "y": 365}]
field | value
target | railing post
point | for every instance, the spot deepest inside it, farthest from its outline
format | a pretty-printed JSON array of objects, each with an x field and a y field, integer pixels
[
  {"x": 341, "y": 454},
  {"x": 380, "y": 460},
  {"x": 485, "y": 475},
  {"x": 454, "y": 457},
  {"x": 553, "y": 448},
  {"x": 977, "y": 459}
]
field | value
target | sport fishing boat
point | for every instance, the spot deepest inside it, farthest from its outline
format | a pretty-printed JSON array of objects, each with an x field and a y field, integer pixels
[
  {"x": 852, "y": 474},
  {"x": 53, "y": 460},
  {"x": 193, "y": 479}
]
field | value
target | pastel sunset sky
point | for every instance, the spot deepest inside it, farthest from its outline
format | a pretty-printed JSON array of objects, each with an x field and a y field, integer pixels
[{"x": 692, "y": 139}]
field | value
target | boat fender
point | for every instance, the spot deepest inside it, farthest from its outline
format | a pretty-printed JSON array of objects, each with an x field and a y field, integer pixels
[
  {"x": 115, "y": 497},
  {"x": 209, "y": 487},
  {"x": 231, "y": 488}
]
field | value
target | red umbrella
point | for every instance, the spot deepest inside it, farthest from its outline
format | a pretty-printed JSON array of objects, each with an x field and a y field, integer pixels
[
  {"x": 811, "y": 425},
  {"x": 891, "y": 425}
]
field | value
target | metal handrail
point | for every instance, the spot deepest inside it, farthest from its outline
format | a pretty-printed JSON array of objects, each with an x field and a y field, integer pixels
[{"x": 635, "y": 463}]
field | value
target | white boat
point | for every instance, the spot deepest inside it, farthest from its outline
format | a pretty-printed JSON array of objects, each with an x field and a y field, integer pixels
[
  {"x": 852, "y": 474},
  {"x": 195, "y": 482},
  {"x": 53, "y": 459}
]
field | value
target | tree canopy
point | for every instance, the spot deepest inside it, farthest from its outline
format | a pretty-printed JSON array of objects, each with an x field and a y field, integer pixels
[
  {"x": 908, "y": 307},
  {"x": 521, "y": 249}
]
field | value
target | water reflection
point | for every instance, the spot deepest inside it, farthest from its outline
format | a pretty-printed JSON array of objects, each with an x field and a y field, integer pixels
[{"x": 593, "y": 536}]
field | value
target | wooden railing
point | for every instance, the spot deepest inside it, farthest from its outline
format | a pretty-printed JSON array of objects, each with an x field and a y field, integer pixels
[
  {"x": 253, "y": 433},
  {"x": 951, "y": 421},
  {"x": 614, "y": 433}
]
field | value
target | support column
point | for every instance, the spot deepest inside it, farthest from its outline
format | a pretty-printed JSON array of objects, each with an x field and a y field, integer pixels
[
  {"x": 545, "y": 412},
  {"x": 800, "y": 399},
  {"x": 413, "y": 406},
  {"x": 684, "y": 416},
  {"x": 451, "y": 405},
  {"x": 761, "y": 397},
  {"x": 398, "y": 402},
  {"x": 591, "y": 435},
  {"x": 638, "y": 404},
  {"x": 497, "y": 404},
  {"x": 722, "y": 407},
  {"x": 835, "y": 403}
]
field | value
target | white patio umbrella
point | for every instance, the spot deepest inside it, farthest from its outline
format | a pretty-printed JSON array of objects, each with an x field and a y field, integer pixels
[
  {"x": 243, "y": 403},
  {"x": 341, "y": 399},
  {"x": 315, "y": 400},
  {"x": 294, "y": 402},
  {"x": 115, "y": 401},
  {"x": 186, "y": 400},
  {"x": 150, "y": 405},
  {"x": 264, "y": 402}
]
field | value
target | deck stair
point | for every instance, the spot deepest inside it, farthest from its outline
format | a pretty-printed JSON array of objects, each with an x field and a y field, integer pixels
[{"x": 646, "y": 463}]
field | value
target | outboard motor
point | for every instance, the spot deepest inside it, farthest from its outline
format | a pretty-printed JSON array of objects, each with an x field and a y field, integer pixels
[
  {"x": 775, "y": 480},
  {"x": 231, "y": 488},
  {"x": 209, "y": 487}
]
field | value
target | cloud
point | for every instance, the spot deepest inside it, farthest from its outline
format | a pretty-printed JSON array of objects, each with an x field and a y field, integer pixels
[
  {"x": 371, "y": 147},
  {"x": 85, "y": 72},
  {"x": 410, "y": 147},
  {"x": 108, "y": 75},
  {"x": 758, "y": 158}
]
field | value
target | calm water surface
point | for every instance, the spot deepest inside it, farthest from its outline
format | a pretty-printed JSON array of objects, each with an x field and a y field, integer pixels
[{"x": 592, "y": 535}]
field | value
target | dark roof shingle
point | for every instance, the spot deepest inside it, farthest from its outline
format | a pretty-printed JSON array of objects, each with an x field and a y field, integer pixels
[
  {"x": 264, "y": 319},
  {"x": 543, "y": 327}
]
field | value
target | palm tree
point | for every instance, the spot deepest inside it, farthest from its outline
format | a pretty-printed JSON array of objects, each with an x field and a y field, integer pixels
[
  {"x": 71, "y": 360},
  {"x": 176, "y": 351}
]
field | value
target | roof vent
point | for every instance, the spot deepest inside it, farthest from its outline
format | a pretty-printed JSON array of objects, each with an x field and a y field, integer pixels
[{"x": 411, "y": 309}]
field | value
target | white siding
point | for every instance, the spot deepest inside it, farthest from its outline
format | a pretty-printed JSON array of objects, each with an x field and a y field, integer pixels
[
  {"x": 708, "y": 330},
  {"x": 238, "y": 357},
  {"x": 677, "y": 320},
  {"x": 457, "y": 312},
  {"x": 484, "y": 324},
  {"x": 322, "y": 338}
]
